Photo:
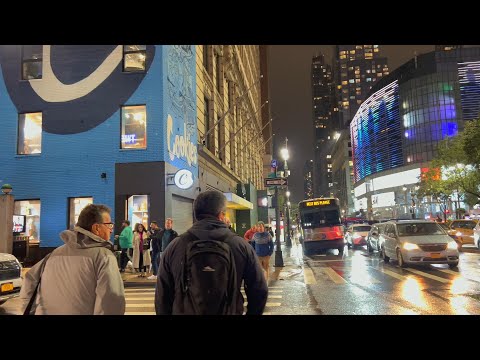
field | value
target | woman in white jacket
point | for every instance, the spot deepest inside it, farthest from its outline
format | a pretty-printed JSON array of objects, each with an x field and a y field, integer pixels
[{"x": 141, "y": 252}]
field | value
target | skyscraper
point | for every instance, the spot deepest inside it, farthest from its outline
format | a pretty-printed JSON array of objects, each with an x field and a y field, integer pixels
[
  {"x": 308, "y": 180},
  {"x": 325, "y": 112},
  {"x": 357, "y": 69}
]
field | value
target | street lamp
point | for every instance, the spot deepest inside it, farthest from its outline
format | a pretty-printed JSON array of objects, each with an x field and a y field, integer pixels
[
  {"x": 285, "y": 157},
  {"x": 405, "y": 199}
]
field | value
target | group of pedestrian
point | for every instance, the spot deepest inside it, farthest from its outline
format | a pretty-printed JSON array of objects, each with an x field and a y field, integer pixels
[
  {"x": 198, "y": 272},
  {"x": 143, "y": 248}
]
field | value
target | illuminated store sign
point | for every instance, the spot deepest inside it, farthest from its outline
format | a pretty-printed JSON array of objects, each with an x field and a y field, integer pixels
[
  {"x": 183, "y": 179},
  {"x": 129, "y": 139},
  {"x": 318, "y": 203}
]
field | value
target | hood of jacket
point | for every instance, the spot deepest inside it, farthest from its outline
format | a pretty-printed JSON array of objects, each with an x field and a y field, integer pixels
[
  {"x": 210, "y": 228},
  {"x": 80, "y": 238}
]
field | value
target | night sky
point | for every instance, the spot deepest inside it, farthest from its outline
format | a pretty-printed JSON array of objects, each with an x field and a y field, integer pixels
[{"x": 290, "y": 97}]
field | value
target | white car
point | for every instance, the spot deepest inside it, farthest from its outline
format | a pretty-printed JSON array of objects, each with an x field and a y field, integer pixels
[
  {"x": 10, "y": 277},
  {"x": 418, "y": 242}
]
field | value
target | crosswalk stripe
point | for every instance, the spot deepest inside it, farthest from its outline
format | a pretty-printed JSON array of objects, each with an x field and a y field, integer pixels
[
  {"x": 275, "y": 287},
  {"x": 140, "y": 313},
  {"x": 140, "y": 305},
  {"x": 140, "y": 292},
  {"x": 362, "y": 278},
  {"x": 392, "y": 274},
  {"x": 308, "y": 276},
  {"x": 139, "y": 298},
  {"x": 275, "y": 296},
  {"x": 427, "y": 275},
  {"x": 337, "y": 279},
  {"x": 269, "y": 304}
]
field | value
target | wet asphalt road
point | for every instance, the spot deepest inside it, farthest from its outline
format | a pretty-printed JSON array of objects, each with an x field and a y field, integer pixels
[{"x": 356, "y": 283}]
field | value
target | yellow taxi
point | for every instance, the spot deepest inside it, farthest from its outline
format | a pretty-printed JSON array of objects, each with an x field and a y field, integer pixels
[{"x": 462, "y": 231}]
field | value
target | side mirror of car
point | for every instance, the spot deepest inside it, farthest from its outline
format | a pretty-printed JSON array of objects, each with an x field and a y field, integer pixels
[{"x": 374, "y": 233}]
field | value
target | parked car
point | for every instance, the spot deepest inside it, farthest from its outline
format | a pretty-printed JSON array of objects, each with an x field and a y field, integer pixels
[
  {"x": 356, "y": 234},
  {"x": 418, "y": 242},
  {"x": 10, "y": 277},
  {"x": 462, "y": 231}
]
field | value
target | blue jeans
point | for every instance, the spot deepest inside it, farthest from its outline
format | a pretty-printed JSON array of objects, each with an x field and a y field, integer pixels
[{"x": 155, "y": 262}]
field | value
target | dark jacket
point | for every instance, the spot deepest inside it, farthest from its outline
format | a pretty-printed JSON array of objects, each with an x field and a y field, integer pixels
[
  {"x": 169, "y": 296},
  {"x": 263, "y": 243},
  {"x": 173, "y": 235},
  {"x": 156, "y": 240}
]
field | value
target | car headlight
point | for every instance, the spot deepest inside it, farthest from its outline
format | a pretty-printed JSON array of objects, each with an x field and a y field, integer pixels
[
  {"x": 452, "y": 245},
  {"x": 458, "y": 233},
  {"x": 410, "y": 246}
]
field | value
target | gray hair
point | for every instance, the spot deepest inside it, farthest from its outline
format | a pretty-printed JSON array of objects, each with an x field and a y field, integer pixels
[{"x": 209, "y": 203}]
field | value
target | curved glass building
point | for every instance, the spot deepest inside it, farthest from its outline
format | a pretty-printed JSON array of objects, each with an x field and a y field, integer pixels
[{"x": 397, "y": 128}]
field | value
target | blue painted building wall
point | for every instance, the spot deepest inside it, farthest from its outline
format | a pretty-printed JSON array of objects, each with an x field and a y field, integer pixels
[{"x": 73, "y": 157}]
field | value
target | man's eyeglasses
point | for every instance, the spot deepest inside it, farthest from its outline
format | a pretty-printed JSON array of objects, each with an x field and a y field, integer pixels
[{"x": 110, "y": 225}]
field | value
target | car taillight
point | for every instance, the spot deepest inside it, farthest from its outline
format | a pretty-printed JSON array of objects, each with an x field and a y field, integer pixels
[{"x": 338, "y": 231}]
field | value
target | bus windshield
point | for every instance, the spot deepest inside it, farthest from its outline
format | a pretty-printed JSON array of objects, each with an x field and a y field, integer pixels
[{"x": 316, "y": 217}]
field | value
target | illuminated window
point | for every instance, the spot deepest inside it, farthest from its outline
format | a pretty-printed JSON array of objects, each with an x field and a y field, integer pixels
[
  {"x": 76, "y": 206},
  {"x": 359, "y": 47},
  {"x": 31, "y": 62},
  {"x": 350, "y": 163},
  {"x": 375, "y": 50},
  {"x": 329, "y": 156},
  {"x": 344, "y": 82},
  {"x": 351, "y": 81},
  {"x": 343, "y": 56},
  {"x": 134, "y": 127},
  {"x": 29, "y": 134},
  {"x": 352, "y": 52},
  {"x": 134, "y": 57},
  {"x": 31, "y": 209}
]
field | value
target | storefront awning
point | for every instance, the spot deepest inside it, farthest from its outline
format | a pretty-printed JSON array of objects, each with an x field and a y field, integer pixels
[{"x": 237, "y": 203}]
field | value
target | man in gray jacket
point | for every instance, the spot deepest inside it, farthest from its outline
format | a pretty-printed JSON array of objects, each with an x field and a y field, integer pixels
[
  {"x": 170, "y": 297},
  {"x": 80, "y": 277}
]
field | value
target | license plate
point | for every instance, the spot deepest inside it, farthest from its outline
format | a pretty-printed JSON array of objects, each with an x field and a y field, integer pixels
[
  {"x": 7, "y": 287},
  {"x": 435, "y": 255}
]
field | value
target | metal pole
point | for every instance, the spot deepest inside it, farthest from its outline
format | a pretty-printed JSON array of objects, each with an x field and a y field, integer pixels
[
  {"x": 278, "y": 252},
  {"x": 289, "y": 239}
]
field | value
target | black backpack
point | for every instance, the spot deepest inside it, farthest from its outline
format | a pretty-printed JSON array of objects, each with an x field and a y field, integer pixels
[{"x": 209, "y": 277}]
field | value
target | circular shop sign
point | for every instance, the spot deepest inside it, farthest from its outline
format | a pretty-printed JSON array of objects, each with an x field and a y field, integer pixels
[{"x": 183, "y": 179}]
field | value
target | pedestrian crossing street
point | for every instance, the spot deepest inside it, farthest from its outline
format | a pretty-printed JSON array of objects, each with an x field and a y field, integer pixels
[
  {"x": 340, "y": 275},
  {"x": 140, "y": 300}
]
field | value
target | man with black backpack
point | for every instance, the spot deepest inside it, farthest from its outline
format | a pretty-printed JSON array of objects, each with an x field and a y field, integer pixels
[{"x": 201, "y": 271}]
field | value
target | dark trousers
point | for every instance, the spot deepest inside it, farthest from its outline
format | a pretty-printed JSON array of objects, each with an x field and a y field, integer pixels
[
  {"x": 155, "y": 262},
  {"x": 124, "y": 259}
]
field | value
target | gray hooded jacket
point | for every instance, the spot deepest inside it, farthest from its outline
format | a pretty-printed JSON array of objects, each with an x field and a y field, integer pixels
[{"x": 81, "y": 277}]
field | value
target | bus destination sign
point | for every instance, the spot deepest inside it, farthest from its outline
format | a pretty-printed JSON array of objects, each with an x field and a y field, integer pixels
[{"x": 318, "y": 202}]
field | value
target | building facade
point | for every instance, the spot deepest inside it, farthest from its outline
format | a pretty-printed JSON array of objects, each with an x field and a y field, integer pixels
[
  {"x": 109, "y": 124},
  {"x": 396, "y": 130},
  {"x": 358, "y": 68},
  {"x": 325, "y": 113},
  {"x": 234, "y": 126}
]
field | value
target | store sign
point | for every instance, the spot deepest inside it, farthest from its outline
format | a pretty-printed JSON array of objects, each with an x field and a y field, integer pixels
[
  {"x": 129, "y": 139},
  {"x": 180, "y": 146},
  {"x": 383, "y": 199},
  {"x": 183, "y": 179}
]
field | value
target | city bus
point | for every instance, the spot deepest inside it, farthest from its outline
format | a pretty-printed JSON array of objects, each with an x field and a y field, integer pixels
[{"x": 321, "y": 226}]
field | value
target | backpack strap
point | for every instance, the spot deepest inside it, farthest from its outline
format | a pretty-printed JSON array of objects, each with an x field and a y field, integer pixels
[{"x": 34, "y": 295}]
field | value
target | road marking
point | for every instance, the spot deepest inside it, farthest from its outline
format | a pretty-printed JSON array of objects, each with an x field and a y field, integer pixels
[
  {"x": 140, "y": 294},
  {"x": 363, "y": 278},
  {"x": 308, "y": 276},
  {"x": 140, "y": 305},
  {"x": 275, "y": 296},
  {"x": 468, "y": 277},
  {"x": 392, "y": 274},
  {"x": 141, "y": 313},
  {"x": 275, "y": 287},
  {"x": 139, "y": 290},
  {"x": 133, "y": 298},
  {"x": 430, "y": 276},
  {"x": 269, "y": 304},
  {"x": 337, "y": 279},
  {"x": 321, "y": 261}
]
